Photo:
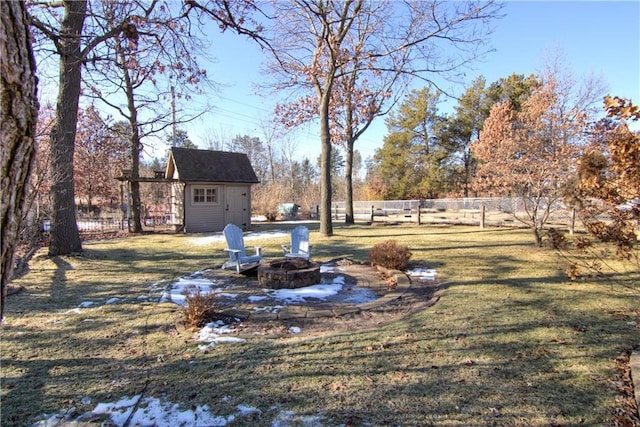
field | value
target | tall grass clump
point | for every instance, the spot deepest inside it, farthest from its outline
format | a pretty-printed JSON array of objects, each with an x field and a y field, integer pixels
[{"x": 200, "y": 309}]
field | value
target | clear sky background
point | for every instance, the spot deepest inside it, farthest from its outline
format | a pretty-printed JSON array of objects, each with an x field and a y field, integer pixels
[{"x": 601, "y": 38}]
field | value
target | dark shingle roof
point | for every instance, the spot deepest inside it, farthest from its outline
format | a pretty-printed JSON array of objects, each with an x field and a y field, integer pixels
[{"x": 210, "y": 166}]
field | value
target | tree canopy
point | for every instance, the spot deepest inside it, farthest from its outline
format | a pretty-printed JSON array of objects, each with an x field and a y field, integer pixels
[
  {"x": 318, "y": 44},
  {"x": 411, "y": 158}
]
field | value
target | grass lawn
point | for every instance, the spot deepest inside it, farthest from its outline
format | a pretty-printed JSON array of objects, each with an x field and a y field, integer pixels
[{"x": 511, "y": 342}]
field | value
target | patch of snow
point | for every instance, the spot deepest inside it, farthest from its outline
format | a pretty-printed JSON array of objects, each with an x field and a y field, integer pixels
[
  {"x": 177, "y": 291},
  {"x": 227, "y": 295},
  {"x": 154, "y": 412},
  {"x": 424, "y": 274},
  {"x": 321, "y": 291},
  {"x": 289, "y": 418},
  {"x": 326, "y": 268},
  {"x": 295, "y": 330},
  {"x": 219, "y": 237},
  {"x": 247, "y": 410},
  {"x": 211, "y": 335}
]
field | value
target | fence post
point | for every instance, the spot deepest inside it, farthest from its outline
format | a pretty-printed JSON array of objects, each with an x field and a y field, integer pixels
[
  {"x": 482, "y": 216},
  {"x": 371, "y": 214},
  {"x": 418, "y": 208},
  {"x": 336, "y": 212}
]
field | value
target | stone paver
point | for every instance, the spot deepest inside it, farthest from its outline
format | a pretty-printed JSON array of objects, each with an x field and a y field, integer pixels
[{"x": 365, "y": 275}]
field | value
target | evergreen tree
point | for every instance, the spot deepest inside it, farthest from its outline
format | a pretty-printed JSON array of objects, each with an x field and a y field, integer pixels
[
  {"x": 181, "y": 139},
  {"x": 411, "y": 159}
]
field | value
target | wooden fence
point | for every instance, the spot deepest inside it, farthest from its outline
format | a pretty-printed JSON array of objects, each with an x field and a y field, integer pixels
[{"x": 468, "y": 211}]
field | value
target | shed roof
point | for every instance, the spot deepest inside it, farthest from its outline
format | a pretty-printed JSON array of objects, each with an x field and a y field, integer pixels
[{"x": 195, "y": 165}]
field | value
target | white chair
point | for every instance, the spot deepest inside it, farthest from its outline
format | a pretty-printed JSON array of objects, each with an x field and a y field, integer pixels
[
  {"x": 299, "y": 247},
  {"x": 236, "y": 249}
]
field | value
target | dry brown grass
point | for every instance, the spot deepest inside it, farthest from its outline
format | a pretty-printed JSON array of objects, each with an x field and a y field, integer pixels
[
  {"x": 511, "y": 341},
  {"x": 200, "y": 309}
]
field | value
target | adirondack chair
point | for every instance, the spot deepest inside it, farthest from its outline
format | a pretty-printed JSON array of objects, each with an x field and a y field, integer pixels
[
  {"x": 299, "y": 247},
  {"x": 236, "y": 249}
]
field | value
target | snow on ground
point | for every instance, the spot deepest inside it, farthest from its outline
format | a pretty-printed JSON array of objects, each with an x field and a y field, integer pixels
[
  {"x": 248, "y": 236},
  {"x": 328, "y": 288},
  {"x": 422, "y": 274},
  {"x": 151, "y": 411}
]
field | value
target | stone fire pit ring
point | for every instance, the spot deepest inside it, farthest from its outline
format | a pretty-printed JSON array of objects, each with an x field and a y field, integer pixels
[{"x": 288, "y": 273}]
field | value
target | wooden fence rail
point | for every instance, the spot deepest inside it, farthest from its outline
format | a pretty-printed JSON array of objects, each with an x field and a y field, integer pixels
[{"x": 480, "y": 212}]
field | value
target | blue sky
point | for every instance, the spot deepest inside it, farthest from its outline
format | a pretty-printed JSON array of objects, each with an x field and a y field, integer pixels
[
  {"x": 601, "y": 38},
  {"x": 595, "y": 37}
]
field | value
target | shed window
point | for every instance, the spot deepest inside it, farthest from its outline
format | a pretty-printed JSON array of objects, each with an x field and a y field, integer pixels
[{"x": 204, "y": 195}]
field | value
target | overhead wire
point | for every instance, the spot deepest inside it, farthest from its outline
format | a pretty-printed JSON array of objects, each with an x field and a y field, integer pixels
[{"x": 251, "y": 119}]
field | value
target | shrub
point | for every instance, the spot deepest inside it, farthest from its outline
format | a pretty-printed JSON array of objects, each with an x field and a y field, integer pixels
[
  {"x": 390, "y": 254},
  {"x": 201, "y": 308}
]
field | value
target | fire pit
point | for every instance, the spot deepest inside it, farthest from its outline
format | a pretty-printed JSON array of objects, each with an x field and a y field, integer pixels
[{"x": 288, "y": 273}]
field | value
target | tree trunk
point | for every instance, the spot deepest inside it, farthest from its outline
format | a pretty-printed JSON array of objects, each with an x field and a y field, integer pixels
[
  {"x": 65, "y": 238},
  {"x": 19, "y": 114},
  {"x": 136, "y": 222},
  {"x": 271, "y": 165},
  {"x": 326, "y": 227},
  {"x": 537, "y": 235},
  {"x": 467, "y": 172},
  {"x": 348, "y": 174}
]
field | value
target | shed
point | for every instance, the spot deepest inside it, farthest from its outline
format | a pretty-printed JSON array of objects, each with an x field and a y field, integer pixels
[{"x": 209, "y": 189}]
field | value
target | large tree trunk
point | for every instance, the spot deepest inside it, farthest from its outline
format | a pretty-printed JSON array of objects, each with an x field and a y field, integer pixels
[
  {"x": 136, "y": 220},
  {"x": 349, "y": 217},
  {"x": 65, "y": 238},
  {"x": 348, "y": 172},
  {"x": 326, "y": 227},
  {"x": 136, "y": 223},
  {"x": 19, "y": 115}
]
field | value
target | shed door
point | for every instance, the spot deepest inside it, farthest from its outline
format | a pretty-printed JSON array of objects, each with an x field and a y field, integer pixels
[{"x": 238, "y": 206}]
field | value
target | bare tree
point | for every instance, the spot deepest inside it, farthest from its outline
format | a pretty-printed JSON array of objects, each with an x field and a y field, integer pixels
[
  {"x": 19, "y": 116},
  {"x": 99, "y": 155},
  {"x": 324, "y": 42},
  {"x": 76, "y": 38},
  {"x": 137, "y": 71},
  {"x": 272, "y": 133},
  {"x": 216, "y": 139},
  {"x": 73, "y": 43}
]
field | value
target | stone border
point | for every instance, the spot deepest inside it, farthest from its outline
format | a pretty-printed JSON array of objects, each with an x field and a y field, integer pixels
[{"x": 403, "y": 284}]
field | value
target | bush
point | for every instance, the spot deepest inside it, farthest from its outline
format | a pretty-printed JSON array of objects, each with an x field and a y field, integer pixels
[
  {"x": 201, "y": 308},
  {"x": 390, "y": 255}
]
